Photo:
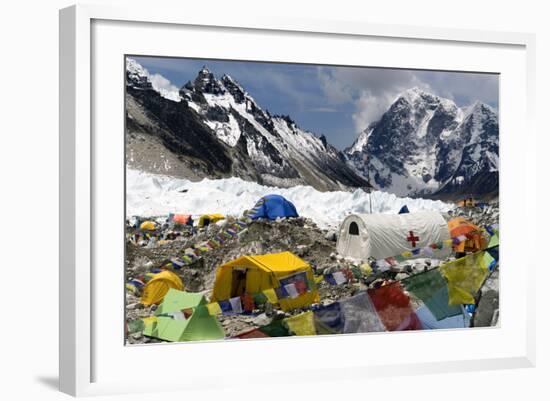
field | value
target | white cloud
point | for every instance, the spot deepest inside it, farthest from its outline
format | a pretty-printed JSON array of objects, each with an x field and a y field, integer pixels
[
  {"x": 370, "y": 90},
  {"x": 164, "y": 87}
]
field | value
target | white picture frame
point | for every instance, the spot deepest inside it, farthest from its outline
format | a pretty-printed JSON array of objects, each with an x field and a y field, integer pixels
[{"x": 92, "y": 360}]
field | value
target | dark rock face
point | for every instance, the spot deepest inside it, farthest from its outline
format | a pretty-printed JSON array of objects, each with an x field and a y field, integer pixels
[
  {"x": 180, "y": 130},
  {"x": 218, "y": 130},
  {"x": 426, "y": 145}
]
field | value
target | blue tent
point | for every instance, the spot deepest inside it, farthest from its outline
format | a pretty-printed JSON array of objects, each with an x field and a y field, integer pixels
[
  {"x": 404, "y": 209},
  {"x": 273, "y": 206}
]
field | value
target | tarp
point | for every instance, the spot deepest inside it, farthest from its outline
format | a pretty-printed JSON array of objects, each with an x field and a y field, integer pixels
[
  {"x": 157, "y": 287},
  {"x": 272, "y": 207},
  {"x": 183, "y": 316},
  {"x": 262, "y": 273},
  {"x": 383, "y": 235}
]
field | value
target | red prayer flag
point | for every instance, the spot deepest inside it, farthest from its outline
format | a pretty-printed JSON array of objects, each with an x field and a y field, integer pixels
[
  {"x": 254, "y": 333},
  {"x": 248, "y": 302},
  {"x": 394, "y": 308},
  {"x": 301, "y": 286}
]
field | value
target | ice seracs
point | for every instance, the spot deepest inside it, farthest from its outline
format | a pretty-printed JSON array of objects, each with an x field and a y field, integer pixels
[{"x": 158, "y": 195}]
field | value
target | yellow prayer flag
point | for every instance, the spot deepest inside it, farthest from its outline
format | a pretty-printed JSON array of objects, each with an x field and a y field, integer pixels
[
  {"x": 318, "y": 279},
  {"x": 465, "y": 277},
  {"x": 302, "y": 324},
  {"x": 448, "y": 242},
  {"x": 271, "y": 295},
  {"x": 407, "y": 254},
  {"x": 214, "y": 308},
  {"x": 366, "y": 269},
  {"x": 149, "y": 320}
]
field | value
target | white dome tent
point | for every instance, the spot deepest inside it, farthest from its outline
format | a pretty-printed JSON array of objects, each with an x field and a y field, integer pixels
[{"x": 383, "y": 235}]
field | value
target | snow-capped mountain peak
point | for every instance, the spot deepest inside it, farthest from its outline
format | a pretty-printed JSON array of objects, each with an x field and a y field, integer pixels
[
  {"x": 220, "y": 120},
  {"x": 424, "y": 141}
]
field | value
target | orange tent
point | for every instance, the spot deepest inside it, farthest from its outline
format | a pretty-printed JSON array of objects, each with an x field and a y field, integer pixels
[
  {"x": 182, "y": 219},
  {"x": 475, "y": 240}
]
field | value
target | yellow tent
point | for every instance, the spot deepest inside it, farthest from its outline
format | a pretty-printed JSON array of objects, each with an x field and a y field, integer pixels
[
  {"x": 158, "y": 286},
  {"x": 148, "y": 226},
  {"x": 206, "y": 219},
  {"x": 255, "y": 274}
]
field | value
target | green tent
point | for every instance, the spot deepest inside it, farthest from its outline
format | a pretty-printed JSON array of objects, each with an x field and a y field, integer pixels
[{"x": 172, "y": 325}]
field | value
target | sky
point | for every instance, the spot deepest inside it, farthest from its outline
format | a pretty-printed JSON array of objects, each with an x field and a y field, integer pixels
[{"x": 336, "y": 101}]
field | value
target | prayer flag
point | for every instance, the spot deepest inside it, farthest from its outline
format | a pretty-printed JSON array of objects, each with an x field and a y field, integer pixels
[
  {"x": 329, "y": 319},
  {"x": 213, "y": 308},
  {"x": 359, "y": 315},
  {"x": 329, "y": 278},
  {"x": 489, "y": 261},
  {"x": 260, "y": 298},
  {"x": 339, "y": 277},
  {"x": 465, "y": 277},
  {"x": 427, "y": 251},
  {"x": 177, "y": 315},
  {"x": 302, "y": 324},
  {"x": 275, "y": 329},
  {"x": 248, "y": 302},
  {"x": 236, "y": 304},
  {"x": 291, "y": 290},
  {"x": 394, "y": 308},
  {"x": 271, "y": 295},
  {"x": 431, "y": 288},
  {"x": 225, "y": 306}
]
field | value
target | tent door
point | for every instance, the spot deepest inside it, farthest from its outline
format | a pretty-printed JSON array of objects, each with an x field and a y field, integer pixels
[
  {"x": 238, "y": 282},
  {"x": 354, "y": 243}
]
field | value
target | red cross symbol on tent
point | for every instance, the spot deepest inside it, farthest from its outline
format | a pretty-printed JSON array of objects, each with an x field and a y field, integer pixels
[{"x": 412, "y": 238}]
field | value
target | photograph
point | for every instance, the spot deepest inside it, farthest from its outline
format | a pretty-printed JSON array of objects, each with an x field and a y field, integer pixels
[{"x": 269, "y": 199}]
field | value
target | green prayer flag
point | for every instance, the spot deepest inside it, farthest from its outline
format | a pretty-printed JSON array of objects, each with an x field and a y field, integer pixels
[
  {"x": 431, "y": 288},
  {"x": 260, "y": 298},
  {"x": 275, "y": 329}
]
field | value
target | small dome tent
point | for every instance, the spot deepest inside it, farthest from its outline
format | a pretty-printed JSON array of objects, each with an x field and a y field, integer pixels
[
  {"x": 271, "y": 207},
  {"x": 383, "y": 235}
]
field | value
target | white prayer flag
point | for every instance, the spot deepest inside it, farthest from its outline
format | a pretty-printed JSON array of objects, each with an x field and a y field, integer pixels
[
  {"x": 178, "y": 315},
  {"x": 339, "y": 277},
  {"x": 291, "y": 290},
  {"x": 236, "y": 304}
]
